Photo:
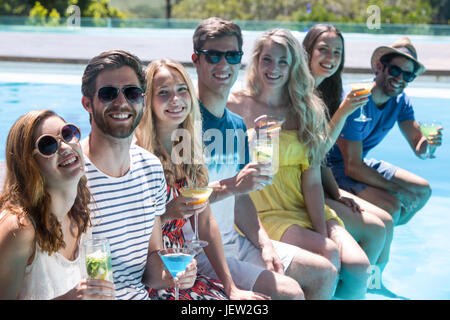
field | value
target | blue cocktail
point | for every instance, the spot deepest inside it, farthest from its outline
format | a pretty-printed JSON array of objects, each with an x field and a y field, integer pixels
[{"x": 176, "y": 260}]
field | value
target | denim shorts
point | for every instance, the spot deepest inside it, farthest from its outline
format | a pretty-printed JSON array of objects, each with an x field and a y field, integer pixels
[{"x": 384, "y": 168}]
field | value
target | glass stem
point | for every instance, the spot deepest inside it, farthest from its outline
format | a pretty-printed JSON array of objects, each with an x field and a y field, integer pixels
[
  {"x": 196, "y": 226},
  {"x": 177, "y": 292}
]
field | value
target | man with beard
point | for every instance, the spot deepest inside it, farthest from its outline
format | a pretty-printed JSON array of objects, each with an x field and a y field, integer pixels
[
  {"x": 126, "y": 181},
  {"x": 394, "y": 189}
]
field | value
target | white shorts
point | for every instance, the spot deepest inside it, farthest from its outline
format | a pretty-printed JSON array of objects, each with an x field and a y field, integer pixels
[{"x": 246, "y": 264}]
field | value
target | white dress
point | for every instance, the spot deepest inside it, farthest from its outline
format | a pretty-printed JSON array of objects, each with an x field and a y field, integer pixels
[{"x": 48, "y": 277}]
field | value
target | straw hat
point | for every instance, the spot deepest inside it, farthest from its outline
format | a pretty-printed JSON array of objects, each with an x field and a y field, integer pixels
[{"x": 403, "y": 47}]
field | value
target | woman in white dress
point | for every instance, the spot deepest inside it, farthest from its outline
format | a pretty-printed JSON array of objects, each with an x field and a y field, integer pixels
[{"x": 44, "y": 213}]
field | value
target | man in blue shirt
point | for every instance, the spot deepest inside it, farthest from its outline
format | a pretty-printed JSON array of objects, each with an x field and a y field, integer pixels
[{"x": 396, "y": 190}]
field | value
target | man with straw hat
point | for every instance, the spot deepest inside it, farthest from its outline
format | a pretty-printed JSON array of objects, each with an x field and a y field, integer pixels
[{"x": 394, "y": 189}]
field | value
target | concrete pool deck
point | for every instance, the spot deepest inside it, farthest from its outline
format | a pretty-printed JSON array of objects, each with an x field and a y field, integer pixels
[{"x": 80, "y": 46}]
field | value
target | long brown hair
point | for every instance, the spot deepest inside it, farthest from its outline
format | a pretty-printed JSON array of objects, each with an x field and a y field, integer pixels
[
  {"x": 330, "y": 90},
  {"x": 24, "y": 192},
  {"x": 146, "y": 135}
]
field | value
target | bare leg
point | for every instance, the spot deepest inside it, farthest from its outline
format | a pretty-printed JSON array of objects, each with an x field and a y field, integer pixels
[
  {"x": 316, "y": 275},
  {"x": 278, "y": 286},
  {"x": 316, "y": 267},
  {"x": 354, "y": 263},
  {"x": 367, "y": 229},
  {"x": 314, "y": 242},
  {"x": 386, "y": 219},
  {"x": 416, "y": 185},
  {"x": 383, "y": 200}
]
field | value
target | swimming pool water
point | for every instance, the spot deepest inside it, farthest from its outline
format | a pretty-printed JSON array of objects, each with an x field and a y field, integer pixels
[{"x": 419, "y": 267}]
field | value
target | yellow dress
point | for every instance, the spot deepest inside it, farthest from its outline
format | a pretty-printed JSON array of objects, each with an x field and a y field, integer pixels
[{"x": 281, "y": 204}]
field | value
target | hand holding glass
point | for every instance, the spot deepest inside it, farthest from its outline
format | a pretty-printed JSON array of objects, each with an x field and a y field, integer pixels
[
  {"x": 366, "y": 86},
  {"x": 429, "y": 130},
  {"x": 176, "y": 260},
  {"x": 202, "y": 194}
]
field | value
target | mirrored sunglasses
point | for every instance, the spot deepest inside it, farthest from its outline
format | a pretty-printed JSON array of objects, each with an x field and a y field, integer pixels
[{"x": 47, "y": 145}]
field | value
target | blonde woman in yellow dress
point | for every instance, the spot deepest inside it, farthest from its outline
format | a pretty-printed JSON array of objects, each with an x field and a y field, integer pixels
[{"x": 292, "y": 209}]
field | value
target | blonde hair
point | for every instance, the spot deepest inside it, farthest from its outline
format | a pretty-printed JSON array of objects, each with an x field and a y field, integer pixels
[
  {"x": 307, "y": 108},
  {"x": 146, "y": 135}
]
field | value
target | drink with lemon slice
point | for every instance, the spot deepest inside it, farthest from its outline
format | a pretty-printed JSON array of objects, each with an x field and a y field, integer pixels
[
  {"x": 98, "y": 259},
  {"x": 263, "y": 152}
]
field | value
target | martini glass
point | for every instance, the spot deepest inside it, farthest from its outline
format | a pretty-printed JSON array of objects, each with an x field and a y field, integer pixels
[
  {"x": 366, "y": 85},
  {"x": 202, "y": 193},
  {"x": 176, "y": 260}
]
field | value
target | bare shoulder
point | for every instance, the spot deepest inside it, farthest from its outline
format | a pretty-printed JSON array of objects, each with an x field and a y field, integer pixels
[
  {"x": 241, "y": 104},
  {"x": 16, "y": 233},
  {"x": 235, "y": 100}
]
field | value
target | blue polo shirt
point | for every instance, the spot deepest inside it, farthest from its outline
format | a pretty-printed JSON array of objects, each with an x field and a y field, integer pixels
[
  {"x": 226, "y": 152},
  {"x": 371, "y": 133}
]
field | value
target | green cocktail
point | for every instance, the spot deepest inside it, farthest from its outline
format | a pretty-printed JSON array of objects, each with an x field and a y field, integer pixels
[
  {"x": 98, "y": 259},
  {"x": 429, "y": 130}
]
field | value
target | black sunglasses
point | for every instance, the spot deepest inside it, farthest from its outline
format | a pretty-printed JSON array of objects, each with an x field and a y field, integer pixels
[
  {"x": 133, "y": 94},
  {"x": 394, "y": 71},
  {"x": 47, "y": 144},
  {"x": 214, "y": 56}
]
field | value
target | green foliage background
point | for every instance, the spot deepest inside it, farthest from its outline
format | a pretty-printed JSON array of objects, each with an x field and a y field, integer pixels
[{"x": 352, "y": 11}]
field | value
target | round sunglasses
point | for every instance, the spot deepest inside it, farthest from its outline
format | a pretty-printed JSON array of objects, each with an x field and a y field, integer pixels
[
  {"x": 47, "y": 145},
  {"x": 214, "y": 56},
  {"x": 394, "y": 71},
  {"x": 133, "y": 94}
]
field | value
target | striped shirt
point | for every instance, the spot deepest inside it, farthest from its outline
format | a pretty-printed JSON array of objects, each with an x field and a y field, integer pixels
[{"x": 124, "y": 210}]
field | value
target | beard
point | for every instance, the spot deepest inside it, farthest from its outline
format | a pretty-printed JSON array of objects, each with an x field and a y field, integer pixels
[{"x": 116, "y": 131}]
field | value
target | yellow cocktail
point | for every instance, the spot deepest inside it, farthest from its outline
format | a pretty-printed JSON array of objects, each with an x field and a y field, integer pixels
[
  {"x": 202, "y": 193},
  {"x": 365, "y": 86}
]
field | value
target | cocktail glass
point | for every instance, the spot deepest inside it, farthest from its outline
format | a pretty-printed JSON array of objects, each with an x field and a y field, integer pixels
[
  {"x": 428, "y": 129},
  {"x": 366, "y": 85},
  {"x": 202, "y": 193},
  {"x": 98, "y": 259},
  {"x": 176, "y": 260}
]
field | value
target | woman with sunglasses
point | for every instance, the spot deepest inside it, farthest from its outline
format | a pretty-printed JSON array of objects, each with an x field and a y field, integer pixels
[
  {"x": 370, "y": 225},
  {"x": 44, "y": 213},
  {"x": 171, "y": 129},
  {"x": 292, "y": 209}
]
